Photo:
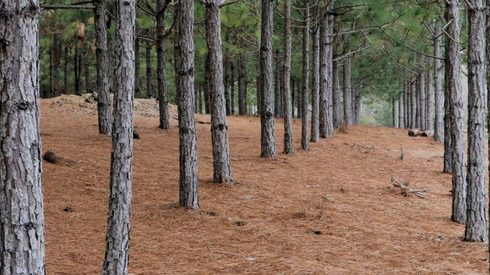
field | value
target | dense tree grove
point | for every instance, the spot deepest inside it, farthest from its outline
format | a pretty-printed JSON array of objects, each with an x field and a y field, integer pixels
[{"x": 334, "y": 64}]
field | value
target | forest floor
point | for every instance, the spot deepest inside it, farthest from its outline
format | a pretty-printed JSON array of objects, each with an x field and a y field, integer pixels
[{"x": 330, "y": 210}]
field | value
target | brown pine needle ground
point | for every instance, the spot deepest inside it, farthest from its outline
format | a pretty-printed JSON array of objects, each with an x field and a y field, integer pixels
[{"x": 329, "y": 210}]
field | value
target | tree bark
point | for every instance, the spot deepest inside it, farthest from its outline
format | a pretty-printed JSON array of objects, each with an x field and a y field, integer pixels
[
  {"x": 329, "y": 77},
  {"x": 429, "y": 101},
  {"x": 21, "y": 189},
  {"x": 347, "y": 92},
  {"x": 315, "y": 91},
  {"x": 86, "y": 72},
  {"x": 421, "y": 98},
  {"x": 438, "y": 77},
  {"x": 337, "y": 115},
  {"x": 137, "y": 84},
  {"x": 476, "y": 218},
  {"x": 357, "y": 106},
  {"x": 164, "y": 120},
  {"x": 118, "y": 224},
  {"x": 278, "y": 88},
  {"x": 149, "y": 73},
  {"x": 227, "y": 87},
  {"x": 242, "y": 88},
  {"x": 65, "y": 71},
  {"x": 76, "y": 70},
  {"x": 232, "y": 89},
  {"x": 55, "y": 89},
  {"x": 401, "y": 111},
  {"x": 184, "y": 83},
  {"x": 104, "y": 111},
  {"x": 268, "y": 145},
  {"x": 414, "y": 103},
  {"x": 306, "y": 76},
  {"x": 219, "y": 126},
  {"x": 288, "y": 115},
  {"x": 453, "y": 85}
]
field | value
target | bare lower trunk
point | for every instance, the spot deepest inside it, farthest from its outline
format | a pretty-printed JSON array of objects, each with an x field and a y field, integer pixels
[
  {"x": 288, "y": 116},
  {"x": 219, "y": 127},
  {"x": 323, "y": 76},
  {"x": 21, "y": 189},
  {"x": 242, "y": 88},
  {"x": 438, "y": 77},
  {"x": 278, "y": 88},
  {"x": 476, "y": 217},
  {"x": 268, "y": 145},
  {"x": 184, "y": 84},
  {"x": 329, "y": 76},
  {"x": 137, "y": 88},
  {"x": 164, "y": 120},
  {"x": 306, "y": 75},
  {"x": 315, "y": 91},
  {"x": 453, "y": 85},
  {"x": 149, "y": 73},
  {"x": 337, "y": 115},
  {"x": 429, "y": 101},
  {"x": 118, "y": 224},
  {"x": 347, "y": 92},
  {"x": 232, "y": 89},
  {"x": 103, "y": 85}
]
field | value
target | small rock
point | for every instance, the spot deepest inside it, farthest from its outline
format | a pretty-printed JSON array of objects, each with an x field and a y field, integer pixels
[{"x": 136, "y": 135}]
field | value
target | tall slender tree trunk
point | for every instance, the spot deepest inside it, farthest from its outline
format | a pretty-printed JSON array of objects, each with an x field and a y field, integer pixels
[
  {"x": 164, "y": 120},
  {"x": 453, "y": 86},
  {"x": 329, "y": 77},
  {"x": 242, "y": 88},
  {"x": 104, "y": 110},
  {"x": 278, "y": 87},
  {"x": 226, "y": 80},
  {"x": 55, "y": 89},
  {"x": 414, "y": 102},
  {"x": 65, "y": 71},
  {"x": 476, "y": 218},
  {"x": 394, "y": 113},
  {"x": 21, "y": 189},
  {"x": 118, "y": 224},
  {"x": 421, "y": 97},
  {"x": 86, "y": 72},
  {"x": 401, "y": 110},
  {"x": 268, "y": 144},
  {"x": 76, "y": 70},
  {"x": 347, "y": 92},
  {"x": 306, "y": 76},
  {"x": 357, "y": 105},
  {"x": 232, "y": 89},
  {"x": 323, "y": 76},
  {"x": 337, "y": 115},
  {"x": 149, "y": 73},
  {"x": 429, "y": 101},
  {"x": 288, "y": 116},
  {"x": 315, "y": 91},
  {"x": 184, "y": 84},
  {"x": 219, "y": 127},
  {"x": 438, "y": 77},
  {"x": 137, "y": 84},
  {"x": 200, "y": 89}
]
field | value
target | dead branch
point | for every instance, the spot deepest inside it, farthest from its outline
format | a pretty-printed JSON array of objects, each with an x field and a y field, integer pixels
[{"x": 406, "y": 191}]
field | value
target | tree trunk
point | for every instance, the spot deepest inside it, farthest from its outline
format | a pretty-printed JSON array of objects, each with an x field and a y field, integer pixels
[
  {"x": 77, "y": 72},
  {"x": 164, "y": 120},
  {"x": 315, "y": 91},
  {"x": 104, "y": 111},
  {"x": 184, "y": 74},
  {"x": 257, "y": 88},
  {"x": 292, "y": 94},
  {"x": 200, "y": 89},
  {"x": 337, "y": 115},
  {"x": 476, "y": 218},
  {"x": 118, "y": 225},
  {"x": 453, "y": 85},
  {"x": 414, "y": 103},
  {"x": 288, "y": 116},
  {"x": 278, "y": 88},
  {"x": 329, "y": 78},
  {"x": 55, "y": 89},
  {"x": 401, "y": 111},
  {"x": 65, "y": 71},
  {"x": 242, "y": 88},
  {"x": 429, "y": 101},
  {"x": 21, "y": 191},
  {"x": 347, "y": 92},
  {"x": 86, "y": 71},
  {"x": 357, "y": 106},
  {"x": 137, "y": 86},
  {"x": 227, "y": 87},
  {"x": 306, "y": 76},
  {"x": 232, "y": 89},
  {"x": 149, "y": 73},
  {"x": 219, "y": 127},
  {"x": 268, "y": 145},
  {"x": 421, "y": 98},
  {"x": 323, "y": 76},
  {"x": 438, "y": 77}
]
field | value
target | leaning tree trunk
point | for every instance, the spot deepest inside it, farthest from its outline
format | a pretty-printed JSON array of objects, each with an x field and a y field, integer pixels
[
  {"x": 149, "y": 73},
  {"x": 438, "y": 77},
  {"x": 288, "y": 115},
  {"x": 118, "y": 224},
  {"x": 476, "y": 217},
  {"x": 453, "y": 85},
  {"x": 219, "y": 127},
  {"x": 21, "y": 190},
  {"x": 103, "y": 85},
  {"x": 315, "y": 91},
  {"x": 347, "y": 92},
  {"x": 268, "y": 145},
  {"x": 306, "y": 75},
  {"x": 184, "y": 84},
  {"x": 164, "y": 120}
]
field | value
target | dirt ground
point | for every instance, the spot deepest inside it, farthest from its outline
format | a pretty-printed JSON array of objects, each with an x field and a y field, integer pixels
[{"x": 331, "y": 210}]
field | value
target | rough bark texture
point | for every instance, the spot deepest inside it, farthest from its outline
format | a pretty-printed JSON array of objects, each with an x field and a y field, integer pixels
[
  {"x": 401, "y": 111},
  {"x": 137, "y": 88},
  {"x": 277, "y": 88},
  {"x": 21, "y": 190},
  {"x": 306, "y": 76},
  {"x": 315, "y": 90},
  {"x": 476, "y": 221},
  {"x": 219, "y": 127},
  {"x": 242, "y": 88},
  {"x": 149, "y": 73},
  {"x": 422, "y": 101},
  {"x": 337, "y": 115},
  {"x": 438, "y": 77},
  {"x": 76, "y": 70},
  {"x": 394, "y": 113},
  {"x": 357, "y": 105},
  {"x": 329, "y": 63},
  {"x": 453, "y": 85},
  {"x": 347, "y": 92},
  {"x": 413, "y": 100},
  {"x": 118, "y": 225},
  {"x": 323, "y": 76},
  {"x": 429, "y": 101},
  {"x": 268, "y": 145},
  {"x": 232, "y": 89},
  {"x": 164, "y": 120},
  {"x": 104, "y": 109},
  {"x": 184, "y": 83},
  {"x": 66, "y": 59},
  {"x": 226, "y": 80},
  {"x": 288, "y": 115},
  {"x": 448, "y": 150}
]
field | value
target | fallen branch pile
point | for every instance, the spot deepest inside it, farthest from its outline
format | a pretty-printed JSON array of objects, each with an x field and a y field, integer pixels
[{"x": 406, "y": 191}]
